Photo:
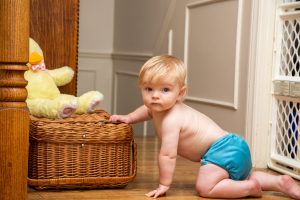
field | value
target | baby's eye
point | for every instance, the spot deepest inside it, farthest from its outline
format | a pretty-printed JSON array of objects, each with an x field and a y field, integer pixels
[
  {"x": 165, "y": 89},
  {"x": 148, "y": 89}
]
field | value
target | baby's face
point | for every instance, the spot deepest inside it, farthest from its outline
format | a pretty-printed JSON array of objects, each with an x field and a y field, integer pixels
[{"x": 160, "y": 93}]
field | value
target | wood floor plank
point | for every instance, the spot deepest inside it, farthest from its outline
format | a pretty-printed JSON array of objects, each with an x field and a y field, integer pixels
[{"x": 146, "y": 180}]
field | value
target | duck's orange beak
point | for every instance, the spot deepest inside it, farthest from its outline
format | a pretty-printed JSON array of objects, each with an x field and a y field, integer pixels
[{"x": 35, "y": 58}]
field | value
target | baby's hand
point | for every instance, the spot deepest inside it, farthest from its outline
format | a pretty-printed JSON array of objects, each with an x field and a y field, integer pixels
[
  {"x": 119, "y": 118},
  {"x": 161, "y": 190}
]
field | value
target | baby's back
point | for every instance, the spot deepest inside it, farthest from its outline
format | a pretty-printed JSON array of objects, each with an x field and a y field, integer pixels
[{"x": 197, "y": 134}]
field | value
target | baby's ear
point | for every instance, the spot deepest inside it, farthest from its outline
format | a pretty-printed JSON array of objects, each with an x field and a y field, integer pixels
[{"x": 182, "y": 93}]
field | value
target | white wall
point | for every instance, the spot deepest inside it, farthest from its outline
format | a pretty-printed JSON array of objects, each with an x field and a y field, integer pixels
[
  {"x": 96, "y": 26},
  {"x": 138, "y": 24},
  {"x": 96, "y": 31},
  {"x": 117, "y": 36},
  {"x": 121, "y": 30}
]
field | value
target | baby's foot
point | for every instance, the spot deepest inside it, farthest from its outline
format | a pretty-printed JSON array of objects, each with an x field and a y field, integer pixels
[{"x": 289, "y": 187}]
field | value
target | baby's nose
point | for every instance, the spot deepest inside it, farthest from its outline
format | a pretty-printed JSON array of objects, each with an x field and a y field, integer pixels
[{"x": 155, "y": 95}]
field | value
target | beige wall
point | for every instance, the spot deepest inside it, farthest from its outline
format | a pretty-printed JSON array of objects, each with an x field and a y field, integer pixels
[
  {"x": 137, "y": 25},
  {"x": 113, "y": 34},
  {"x": 212, "y": 37},
  {"x": 96, "y": 31},
  {"x": 227, "y": 45},
  {"x": 115, "y": 39},
  {"x": 96, "y": 26}
]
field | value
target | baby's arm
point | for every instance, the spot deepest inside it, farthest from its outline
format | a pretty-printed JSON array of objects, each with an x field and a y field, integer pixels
[
  {"x": 167, "y": 156},
  {"x": 140, "y": 114}
]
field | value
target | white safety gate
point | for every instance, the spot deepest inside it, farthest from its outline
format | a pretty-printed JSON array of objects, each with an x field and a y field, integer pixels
[{"x": 285, "y": 152}]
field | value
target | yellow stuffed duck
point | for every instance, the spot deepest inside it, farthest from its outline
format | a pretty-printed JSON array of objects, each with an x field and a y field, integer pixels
[{"x": 44, "y": 98}]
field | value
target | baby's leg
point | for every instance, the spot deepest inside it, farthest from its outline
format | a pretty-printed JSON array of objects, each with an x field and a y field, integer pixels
[
  {"x": 213, "y": 181},
  {"x": 283, "y": 183}
]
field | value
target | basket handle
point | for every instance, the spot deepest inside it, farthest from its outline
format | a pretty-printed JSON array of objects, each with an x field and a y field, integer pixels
[
  {"x": 109, "y": 122},
  {"x": 134, "y": 159}
]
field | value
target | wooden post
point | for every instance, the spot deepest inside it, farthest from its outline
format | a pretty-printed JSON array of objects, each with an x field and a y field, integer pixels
[{"x": 14, "y": 116}]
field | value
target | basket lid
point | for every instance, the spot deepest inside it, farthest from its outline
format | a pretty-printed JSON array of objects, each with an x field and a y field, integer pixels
[
  {"x": 85, "y": 128},
  {"x": 98, "y": 115}
]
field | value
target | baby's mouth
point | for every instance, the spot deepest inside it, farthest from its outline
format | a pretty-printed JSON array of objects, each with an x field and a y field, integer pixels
[{"x": 155, "y": 104}]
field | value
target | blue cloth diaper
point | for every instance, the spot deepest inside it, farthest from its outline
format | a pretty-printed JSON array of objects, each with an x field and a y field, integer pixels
[{"x": 232, "y": 153}]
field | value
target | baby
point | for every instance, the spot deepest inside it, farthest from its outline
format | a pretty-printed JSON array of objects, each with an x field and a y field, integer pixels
[{"x": 226, "y": 167}]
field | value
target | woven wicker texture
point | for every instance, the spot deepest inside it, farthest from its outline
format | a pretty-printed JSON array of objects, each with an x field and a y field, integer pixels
[{"x": 83, "y": 151}]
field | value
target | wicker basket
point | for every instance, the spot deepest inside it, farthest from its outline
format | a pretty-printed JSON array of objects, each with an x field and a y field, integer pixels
[{"x": 83, "y": 151}]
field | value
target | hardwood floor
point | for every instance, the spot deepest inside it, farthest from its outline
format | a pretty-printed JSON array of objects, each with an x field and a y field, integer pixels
[{"x": 146, "y": 180}]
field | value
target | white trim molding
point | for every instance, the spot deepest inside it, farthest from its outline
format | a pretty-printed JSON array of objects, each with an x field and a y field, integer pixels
[
  {"x": 211, "y": 102},
  {"x": 165, "y": 27},
  {"x": 170, "y": 42},
  {"x": 259, "y": 103},
  {"x": 94, "y": 72},
  {"x": 134, "y": 56},
  {"x": 232, "y": 105},
  {"x": 116, "y": 74},
  {"x": 93, "y": 54},
  {"x": 126, "y": 73}
]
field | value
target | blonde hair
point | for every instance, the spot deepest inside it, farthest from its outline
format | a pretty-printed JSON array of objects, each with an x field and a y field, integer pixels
[{"x": 162, "y": 66}]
